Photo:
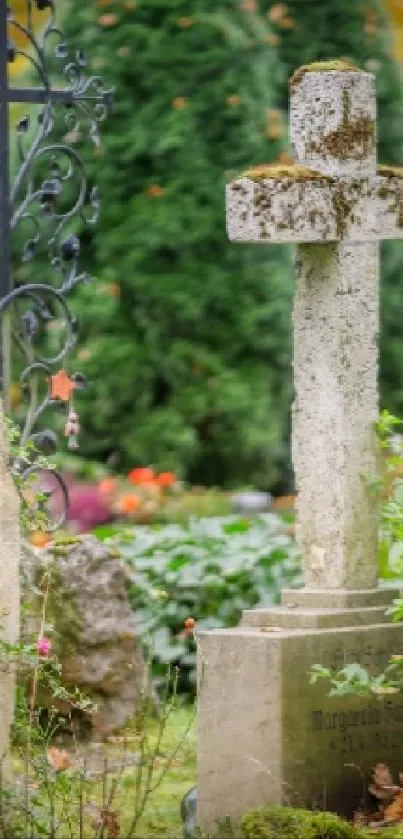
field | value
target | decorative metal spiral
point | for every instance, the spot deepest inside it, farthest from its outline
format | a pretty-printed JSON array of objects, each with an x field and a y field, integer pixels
[{"x": 49, "y": 189}]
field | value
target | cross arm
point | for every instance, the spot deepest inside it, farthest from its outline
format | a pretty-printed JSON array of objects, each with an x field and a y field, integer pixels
[
  {"x": 39, "y": 95},
  {"x": 294, "y": 204}
]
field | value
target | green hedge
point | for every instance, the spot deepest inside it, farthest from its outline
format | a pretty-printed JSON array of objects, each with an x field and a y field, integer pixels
[{"x": 211, "y": 569}]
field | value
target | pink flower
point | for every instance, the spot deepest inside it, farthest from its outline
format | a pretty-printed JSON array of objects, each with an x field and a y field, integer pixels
[{"x": 44, "y": 646}]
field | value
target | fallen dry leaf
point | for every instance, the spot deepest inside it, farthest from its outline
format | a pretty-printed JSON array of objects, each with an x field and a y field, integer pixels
[
  {"x": 58, "y": 759},
  {"x": 394, "y": 811},
  {"x": 104, "y": 820},
  {"x": 382, "y": 786}
]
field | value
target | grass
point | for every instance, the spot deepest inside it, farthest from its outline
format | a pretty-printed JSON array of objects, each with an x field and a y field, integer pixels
[
  {"x": 173, "y": 762},
  {"x": 162, "y": 814}
]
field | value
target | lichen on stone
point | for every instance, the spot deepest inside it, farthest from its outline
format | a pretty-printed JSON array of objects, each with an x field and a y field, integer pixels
[
  {"x": 338, "y": 65},
  {"x": 294, "y": 172},
  {"x": 353, "y": 139},
  {"x": 64, "y": 541}
]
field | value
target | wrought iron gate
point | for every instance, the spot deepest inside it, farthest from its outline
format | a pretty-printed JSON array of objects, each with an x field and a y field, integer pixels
[{"x": 43, "y": 211}]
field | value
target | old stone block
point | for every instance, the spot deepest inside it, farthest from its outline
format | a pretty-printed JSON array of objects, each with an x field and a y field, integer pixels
[
  {"x": 95, "y": 632},
  {"x": 267, "y": 736},
  {"x": 286, "y": 210},
  {"x": 332, "y": 122},
  {"x": 9, "y": 592}
]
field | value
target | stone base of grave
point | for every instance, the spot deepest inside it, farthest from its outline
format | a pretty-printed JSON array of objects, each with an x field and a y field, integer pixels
[{"x": 266, "y": 736}]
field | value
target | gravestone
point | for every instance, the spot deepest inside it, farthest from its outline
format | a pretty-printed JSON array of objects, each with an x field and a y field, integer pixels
[
  {"x": 265, "y": 735},
  {"x": 9, "y": 592}
]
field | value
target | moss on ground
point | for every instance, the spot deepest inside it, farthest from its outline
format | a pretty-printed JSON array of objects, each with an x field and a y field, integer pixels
[{"x": 292, "y": 823}]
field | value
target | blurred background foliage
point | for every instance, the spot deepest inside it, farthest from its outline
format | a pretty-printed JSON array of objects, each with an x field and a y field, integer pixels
[{"x": 186, "y": 338}]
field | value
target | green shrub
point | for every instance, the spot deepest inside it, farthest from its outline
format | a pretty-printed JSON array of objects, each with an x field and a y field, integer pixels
[
  {"x": 186, "y": 337},
  {"x": 210, "y": 569},
  {"x": 289, "y": 823}
]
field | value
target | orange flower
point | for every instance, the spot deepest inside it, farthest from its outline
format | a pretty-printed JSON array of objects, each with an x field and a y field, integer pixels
[
  {"x": 108, "y": 20},
  {"x": 61, "y": 386},
  {"x": 107, "y": 486},
  {"x": 189, "y": 624},
  {"x": 155, "y": 191},
  {"x": 129, "y": 503},
  {"x": 249, "y": 6},
  {"x": 234, "y": 100},
  {"x": 141, "y": 475},
  {"x": 166, "y": 479},
  {"x": 179, "y": 103},
  {"x": 287, "y": 23},
  {"x": 277, "y": 12},
  {"x": 113, "y": 289},
  {"x": 40, "y": 539},
  {"x": 185, "y": 22},
  {"x": 273, "y": 40}
]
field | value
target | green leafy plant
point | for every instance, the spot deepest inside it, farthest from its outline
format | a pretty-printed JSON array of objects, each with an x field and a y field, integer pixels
[
  {"x": 33, "y": 503},
  {"x": 194, "y": 376},
  {"x": 210, "y": 569},
  {"x": 56, "y": 797},
  {"x": 354, "y": 679}
]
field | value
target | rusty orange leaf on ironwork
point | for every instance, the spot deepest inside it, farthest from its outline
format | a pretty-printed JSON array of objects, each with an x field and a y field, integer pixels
[{"x": 61, "y": 386}]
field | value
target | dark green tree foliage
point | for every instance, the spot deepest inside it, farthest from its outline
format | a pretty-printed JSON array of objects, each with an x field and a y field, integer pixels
[
  {"x": 186, "y": 337},
  {"x": 314, "y": 30}
]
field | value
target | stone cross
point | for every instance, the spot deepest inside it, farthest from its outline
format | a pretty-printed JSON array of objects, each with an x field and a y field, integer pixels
[
  {"x": 265, "y": 735},
  {"x": 9, "y": 593},
  {"x": 336, "y": 206}
]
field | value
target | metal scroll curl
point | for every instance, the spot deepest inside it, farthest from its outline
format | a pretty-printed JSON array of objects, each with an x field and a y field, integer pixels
[{"x": 49, "y": 192}]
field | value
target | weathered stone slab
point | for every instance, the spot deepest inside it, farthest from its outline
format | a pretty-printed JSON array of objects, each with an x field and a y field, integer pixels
[
  {"x": 312, "y": 598},
  {"x": 9, "y": 590},
  {"x": 267, "y": 736},
  {"x": 284, "y": 618},
  {"x": 288, "y": 208}
]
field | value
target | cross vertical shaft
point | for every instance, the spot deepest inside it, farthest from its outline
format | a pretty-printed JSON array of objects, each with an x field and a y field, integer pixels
[{"x": 335, "y": 346}]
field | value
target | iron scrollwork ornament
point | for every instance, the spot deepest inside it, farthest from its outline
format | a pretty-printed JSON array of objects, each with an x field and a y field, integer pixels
[{"x": 48, "y": 192}]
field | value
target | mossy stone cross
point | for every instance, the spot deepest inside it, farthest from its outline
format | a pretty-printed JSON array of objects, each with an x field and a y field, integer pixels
[{"x": 336, "y": 205}]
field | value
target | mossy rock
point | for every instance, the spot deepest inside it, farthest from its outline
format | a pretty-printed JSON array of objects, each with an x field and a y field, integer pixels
[
  {"x": 291, "y": 823},
  {"x": 338, "y": 65}
]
